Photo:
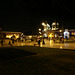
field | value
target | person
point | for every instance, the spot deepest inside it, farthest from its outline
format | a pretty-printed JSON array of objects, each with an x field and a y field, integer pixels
[
  {"x": 2, "y": 42},
  {"x": 10, "y": 43},
  {"x": 36, "y": 40},
  {"x": 39, "y": 42},
  {"x": 54, "y": 39},
  {"x": 13, "y": 41},
  {"x": 43, "y": 41},
  {"x": 63, "y": 40},
  {"x": 60, "y": 39}
]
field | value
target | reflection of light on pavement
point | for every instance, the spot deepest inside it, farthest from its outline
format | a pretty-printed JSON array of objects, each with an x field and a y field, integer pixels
[
  {"x": 40, "y": 44},
  {"x": 21, "y": 44},
  {"x": 61, "y": 47},
  {"x": 18, "y": 45},
  {"x": 66, "y": 45},
  {"x": 51, "y": 43}
]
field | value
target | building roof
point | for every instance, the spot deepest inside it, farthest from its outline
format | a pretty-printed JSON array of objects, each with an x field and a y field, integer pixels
[{"x": 11, "y": 32}]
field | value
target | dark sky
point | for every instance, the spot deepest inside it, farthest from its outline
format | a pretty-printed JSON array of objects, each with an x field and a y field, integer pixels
[{"x": 27, "y": 16}]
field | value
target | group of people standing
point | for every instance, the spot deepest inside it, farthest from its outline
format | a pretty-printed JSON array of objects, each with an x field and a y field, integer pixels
[
  {"x": 9, "y": 43},
  {"x": 39, "y": 41}
]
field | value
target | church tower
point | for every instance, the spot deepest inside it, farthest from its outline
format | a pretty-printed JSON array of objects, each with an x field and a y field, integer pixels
[{"x": 55, "y": 26}]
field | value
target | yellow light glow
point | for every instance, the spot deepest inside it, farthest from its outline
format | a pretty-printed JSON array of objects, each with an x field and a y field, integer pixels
[
  {"x": 40, "y": 33},
  {"x": 17, "y": 36},
  {"x": 43, "y": 23},
  {"x": 54, "y": 23},
  {"x": 30, "y": 36},
  {"x": 61, "y": 47},
  {"x": 48, "y": 25},
  {"x": 60, "y": 30},
  {"x": 72, "y": 33},
  {"x": 8, "y": 36},
  {"x": 51, "y": 35},
  {"x": 39, "y": 29},
  {"x": 45, "y": 29},
  {"x": 40, "y": 36}
]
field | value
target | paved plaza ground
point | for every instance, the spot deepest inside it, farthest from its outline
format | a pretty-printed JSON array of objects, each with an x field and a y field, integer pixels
[
  {"x": 31, "y": 60},
  {"x": 49, "y": 44}
]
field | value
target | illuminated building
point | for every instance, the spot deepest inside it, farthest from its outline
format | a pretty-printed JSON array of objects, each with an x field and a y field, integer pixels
[
  {"x": 7, "y": 34},
  {"x": 55, "y": 31}
]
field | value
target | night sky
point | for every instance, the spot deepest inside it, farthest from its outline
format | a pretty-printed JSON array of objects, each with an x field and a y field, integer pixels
[{"x": 27, "y": 16}]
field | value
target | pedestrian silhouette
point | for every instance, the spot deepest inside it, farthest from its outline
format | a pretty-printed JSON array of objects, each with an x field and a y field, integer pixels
[
  {"x": 2, "y": 42},
  {"x": 39, "y": 42}
]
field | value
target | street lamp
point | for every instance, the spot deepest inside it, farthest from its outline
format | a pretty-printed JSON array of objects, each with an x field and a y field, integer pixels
[
  {"x": 43, "y": 23},
  {"x": 60, "y": 30},
  {"x": 39, "y": 29},
  {"x": 40, "y": 33}
]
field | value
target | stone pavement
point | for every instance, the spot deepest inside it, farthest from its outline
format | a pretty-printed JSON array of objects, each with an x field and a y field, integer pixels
[{"x": 49, "y": 44}]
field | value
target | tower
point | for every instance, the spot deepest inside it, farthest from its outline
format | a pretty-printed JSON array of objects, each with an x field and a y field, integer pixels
[{"x": 55, "y": 26}]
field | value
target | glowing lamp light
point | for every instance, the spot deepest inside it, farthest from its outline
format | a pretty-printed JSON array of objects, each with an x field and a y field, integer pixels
[
  {"x": 72, "y": 33},
  {"x": 43, "y": 23},
  {"x": 39, "y": 29},
  {"x": 50, "y": 35},
  {"x": 53, "y": 23},
  {"x": 45, "y": 35},
  {"x": 48, "y": 25},
  {"x": 40, "y": 33},
  {"x": 8, "y": 36},
  {"x": 40, "y": 36},
  {"x": 17, "y": 36},
  {"x": 30, "y": 36},
  {"x": 44, "y": 29},
  {"x": 57, "y": 23},
  {"x": 60, "y": 30}
]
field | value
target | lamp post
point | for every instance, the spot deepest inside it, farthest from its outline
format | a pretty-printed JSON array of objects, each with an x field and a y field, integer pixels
[
  {"x": 43, "y": 24},
  {"x": 40, "y": 31},
  {"x": 46, "y": 28}
]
